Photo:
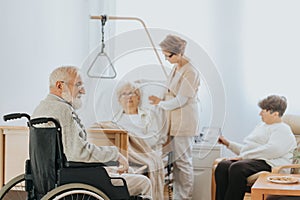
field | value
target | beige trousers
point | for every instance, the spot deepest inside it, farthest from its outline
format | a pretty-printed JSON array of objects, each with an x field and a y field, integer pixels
[
  {"x": 137, "y": 184},
  {"x": 183, "y": 167}
]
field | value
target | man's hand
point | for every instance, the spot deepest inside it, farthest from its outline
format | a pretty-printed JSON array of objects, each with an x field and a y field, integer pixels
[
  {"x": 223, "y": 141},
  {"x": 123, "y": 164}
]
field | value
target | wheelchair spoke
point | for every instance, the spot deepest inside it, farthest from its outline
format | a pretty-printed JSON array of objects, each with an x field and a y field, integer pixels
[
  {"x": 78, "y": 195},
  {"x": 75, "y": 191}
]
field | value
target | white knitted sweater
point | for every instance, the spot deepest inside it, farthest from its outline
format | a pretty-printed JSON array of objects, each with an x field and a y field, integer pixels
[{"x": 273, "y": 143}]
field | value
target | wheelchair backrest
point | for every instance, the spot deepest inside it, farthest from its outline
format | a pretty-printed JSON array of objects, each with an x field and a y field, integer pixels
[{"x": 45, "y": 153}]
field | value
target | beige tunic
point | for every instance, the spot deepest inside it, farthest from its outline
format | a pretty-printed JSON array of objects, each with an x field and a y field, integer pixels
[{"x": 184, "y": 121}]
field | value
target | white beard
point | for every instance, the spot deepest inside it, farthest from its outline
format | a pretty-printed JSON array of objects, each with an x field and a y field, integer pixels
[{"x": 75, "y": 102}]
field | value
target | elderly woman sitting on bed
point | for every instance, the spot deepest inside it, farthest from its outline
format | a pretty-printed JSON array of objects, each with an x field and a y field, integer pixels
[
  {"x": 145, "y": 135},
  {"x": 140, "y": 122}
]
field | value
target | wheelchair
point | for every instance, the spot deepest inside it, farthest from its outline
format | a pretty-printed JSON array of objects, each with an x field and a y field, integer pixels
[{"x": 49, "y": 175}]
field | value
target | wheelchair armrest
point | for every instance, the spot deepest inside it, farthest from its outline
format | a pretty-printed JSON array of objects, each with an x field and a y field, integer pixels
[
  {"x": 120, "y": 178},
  {"x": 217, "y": 161},
  {"x": 73, "y": 164}
]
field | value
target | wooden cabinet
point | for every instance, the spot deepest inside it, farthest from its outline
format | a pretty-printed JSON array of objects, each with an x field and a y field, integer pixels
[
  {"x": 15, "y": 147},
  {"x": 1, "y": 157},
  {"x": 16, "y": 152},
  {"x": 203, "y": 158}
]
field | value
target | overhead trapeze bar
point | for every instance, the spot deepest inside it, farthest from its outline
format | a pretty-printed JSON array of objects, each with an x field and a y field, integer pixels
[{"x": 144, "y": 26}]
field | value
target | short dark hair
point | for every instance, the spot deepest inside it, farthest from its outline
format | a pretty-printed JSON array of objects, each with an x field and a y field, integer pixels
[{"x": 274, "y": 103}]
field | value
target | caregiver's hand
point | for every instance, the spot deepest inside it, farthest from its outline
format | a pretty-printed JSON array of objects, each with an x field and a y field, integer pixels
[{"x": 154, "y": 100}]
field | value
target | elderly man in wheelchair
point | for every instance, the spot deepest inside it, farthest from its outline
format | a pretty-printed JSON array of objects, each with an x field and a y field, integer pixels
[{"x": 56, "y": 162}]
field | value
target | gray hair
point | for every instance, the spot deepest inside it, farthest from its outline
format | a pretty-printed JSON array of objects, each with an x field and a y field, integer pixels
[
  {"x": 130, "y": 85},
  {"x": 62, "y": 74},
  {"x": 173, "y": 44}
]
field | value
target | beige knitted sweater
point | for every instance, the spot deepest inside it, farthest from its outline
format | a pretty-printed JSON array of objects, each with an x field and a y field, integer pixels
[{"x": 74, "y": 138}]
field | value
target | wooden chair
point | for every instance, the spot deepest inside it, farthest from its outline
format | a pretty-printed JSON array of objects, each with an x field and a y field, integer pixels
[{"x": 294, "y": 122}]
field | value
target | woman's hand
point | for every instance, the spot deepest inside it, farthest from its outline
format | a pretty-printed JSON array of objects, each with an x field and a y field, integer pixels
[
  {"x": 223, "y": 141},
  {"x": 154, "y": 100},
  {"x": 123, "y": 164}
]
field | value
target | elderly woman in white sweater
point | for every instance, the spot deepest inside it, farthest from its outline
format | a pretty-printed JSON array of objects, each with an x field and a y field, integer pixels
[
  {"x": 146, "y": 137},
  {"x": 140, "y": 122},
  {"x": 270, "y": 144}
]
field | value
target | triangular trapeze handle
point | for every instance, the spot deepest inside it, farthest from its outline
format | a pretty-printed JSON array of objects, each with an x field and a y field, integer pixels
[
  {"x": 103, "y": 55},
  {"x": 109, "y": 65}
]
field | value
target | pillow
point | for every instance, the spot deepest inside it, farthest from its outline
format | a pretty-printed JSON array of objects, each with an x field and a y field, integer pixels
[
  {"x": 106, "y": 103},
  {"x": 150, "y": 88}
]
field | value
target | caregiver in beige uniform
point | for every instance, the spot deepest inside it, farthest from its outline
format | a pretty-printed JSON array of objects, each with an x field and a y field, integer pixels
[{"x": 181, "y": 101}]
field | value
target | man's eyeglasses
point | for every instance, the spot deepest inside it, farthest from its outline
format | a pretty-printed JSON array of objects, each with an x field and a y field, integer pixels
[
  {"x": 79, "y": 85},
  {"x": 128, "y": 94}
]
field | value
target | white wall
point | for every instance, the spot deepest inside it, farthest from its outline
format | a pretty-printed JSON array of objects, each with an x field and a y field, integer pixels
[
  {"x": 271, "y": 46},
  {"x": 254, "y": 45},
  {"x": 36, "y": 37},
  {"x": 199, "y": 22}
]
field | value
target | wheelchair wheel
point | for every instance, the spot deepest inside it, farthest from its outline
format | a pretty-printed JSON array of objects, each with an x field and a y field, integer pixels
[
  {"x": 14, "y": 189},
  {"x": 75, "y": 191}
]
